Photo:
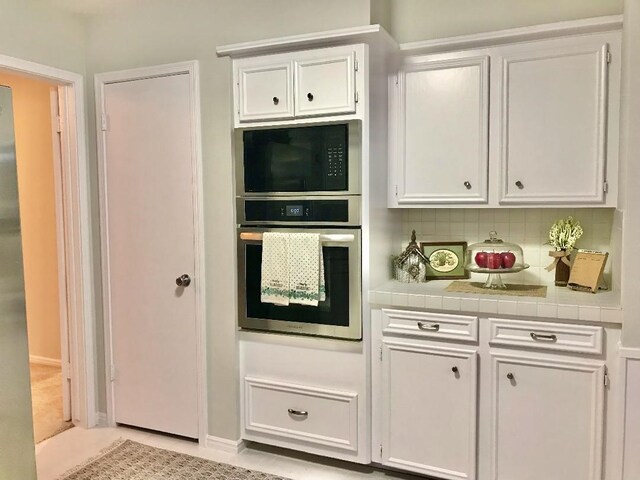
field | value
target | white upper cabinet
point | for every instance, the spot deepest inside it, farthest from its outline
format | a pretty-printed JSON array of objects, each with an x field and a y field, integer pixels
[
  {"x": 326, "y": 85},
  {"x": 441, "y": 143},
  {"x": 309, "y": 83},
  {"x": 553, "y": 120},
  {"x": 528, "y": 123},
  {"x": 265, "y": 91}
]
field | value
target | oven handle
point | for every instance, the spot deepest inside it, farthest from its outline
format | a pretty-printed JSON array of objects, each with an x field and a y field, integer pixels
[{"x": 332, "y": 238}]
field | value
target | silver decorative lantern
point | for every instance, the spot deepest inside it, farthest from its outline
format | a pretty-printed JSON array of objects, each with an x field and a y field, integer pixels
[{"x": 411, "y": 265}]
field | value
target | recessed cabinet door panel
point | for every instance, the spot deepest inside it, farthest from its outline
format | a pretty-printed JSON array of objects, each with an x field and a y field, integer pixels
[
  {"x": 553, "y": 124},
  {"x": 429, "y": 404},
  {"x": 266, "y": 92},
  {"x": 325, "y": 86},
  {"x": 443, "y": 132},
  {"x": 547, "y": 419}
]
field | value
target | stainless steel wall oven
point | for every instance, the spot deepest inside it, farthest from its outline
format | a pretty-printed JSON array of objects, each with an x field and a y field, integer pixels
[{"x": 310, "y": 183}]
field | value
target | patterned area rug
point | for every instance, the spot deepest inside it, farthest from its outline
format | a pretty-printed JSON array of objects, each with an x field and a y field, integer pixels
[{"x": 129, "y": 460}]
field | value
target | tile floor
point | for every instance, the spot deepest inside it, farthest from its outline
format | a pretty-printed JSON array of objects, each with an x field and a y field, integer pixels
[{"x": 64, "y": 451}]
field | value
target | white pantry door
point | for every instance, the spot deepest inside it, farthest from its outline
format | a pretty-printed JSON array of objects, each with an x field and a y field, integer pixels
[{"x": 149, "y": 199}]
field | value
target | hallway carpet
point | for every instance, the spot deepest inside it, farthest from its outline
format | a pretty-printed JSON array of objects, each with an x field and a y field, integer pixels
[
  {"x": 129, "y": 460},
  {"x": 46, "y": 397}
]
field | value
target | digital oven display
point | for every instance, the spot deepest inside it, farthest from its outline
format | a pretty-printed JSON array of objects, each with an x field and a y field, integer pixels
[{"x": 293, "y": 210}]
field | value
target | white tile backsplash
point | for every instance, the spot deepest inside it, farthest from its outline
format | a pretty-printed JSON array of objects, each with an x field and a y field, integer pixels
[{"x": 528, "y": 227}]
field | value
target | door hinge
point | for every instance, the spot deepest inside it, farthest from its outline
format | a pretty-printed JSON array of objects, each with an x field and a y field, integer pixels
[
  {"x": 607, "y": 383},
  {"x": 113, "y": 372},
  {"x": 58, "y": 123},
  {"x": 608, "y": 57},
  {"x": 104, "y": 122},
  {"x": 66, "y": 370},
  {"x": 380, "y": 450},
  {"x": 605, "y": 187},
  {"x": 397, "y": 80},
  {"x": 357, "y": 96},
  {"x": 380, "y": 352},
  {"x": 396, "y": 190},
  {"x": 355, "y": 65}
]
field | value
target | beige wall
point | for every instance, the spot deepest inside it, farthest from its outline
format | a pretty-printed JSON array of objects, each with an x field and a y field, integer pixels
[
  {"x": 414, "y": 20},
  {"x": 36, "y": 189},
  {"x": 37, "y": 31},
  {"x": 164, "y": 31}
]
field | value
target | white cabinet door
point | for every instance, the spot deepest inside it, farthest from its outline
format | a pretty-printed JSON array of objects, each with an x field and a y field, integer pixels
[
  {"x": 429, "y": 397},
  {"x": 547, "y": 419},
  {"x": 265, "y": 92},
  {"x": 441, "y": 153},
  {"x": 553, "y": 122},
  {"x": 325, "y": 85}
]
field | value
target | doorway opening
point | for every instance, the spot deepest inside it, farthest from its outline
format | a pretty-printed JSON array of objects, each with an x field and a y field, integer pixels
[
  {"x": 38, "y": 146},
  {"x": 73, "y": 251}
]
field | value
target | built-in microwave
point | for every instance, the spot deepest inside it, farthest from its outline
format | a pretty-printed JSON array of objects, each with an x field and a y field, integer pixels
[{"x": 309, "y": 160}]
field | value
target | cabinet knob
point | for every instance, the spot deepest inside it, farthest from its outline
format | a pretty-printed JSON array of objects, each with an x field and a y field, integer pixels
[
  {"x": 510, "y": 376},
  {"x": 310, "y": 97},
  {"x": 276, "y": 100},
  {"x": 519, "y": 184},
  {"x": 454, "y": 369},
  {"x": 468, "y": 185}
]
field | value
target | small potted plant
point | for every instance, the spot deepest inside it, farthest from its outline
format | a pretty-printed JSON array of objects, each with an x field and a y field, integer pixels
[{"x": 563, "y": 237}]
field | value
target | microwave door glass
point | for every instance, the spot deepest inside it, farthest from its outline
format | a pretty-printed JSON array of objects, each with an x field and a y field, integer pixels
[{"x": 301, "y": 159}]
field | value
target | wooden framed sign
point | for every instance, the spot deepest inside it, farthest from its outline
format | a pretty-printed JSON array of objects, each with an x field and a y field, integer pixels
[{"x": 587, "y": 269}]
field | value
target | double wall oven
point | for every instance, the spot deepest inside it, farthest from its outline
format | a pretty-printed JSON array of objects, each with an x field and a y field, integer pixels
[{"x": 301, "y": 179}]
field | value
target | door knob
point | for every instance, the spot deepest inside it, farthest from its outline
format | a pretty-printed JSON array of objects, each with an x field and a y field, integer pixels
[
  {"x": 183, "y": 280},
  {"x": 310, "y": 96}
]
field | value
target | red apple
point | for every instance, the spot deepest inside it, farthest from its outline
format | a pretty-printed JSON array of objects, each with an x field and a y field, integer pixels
[
  {"x": 494, "y": 261},
  {"x": 508, "y": 259},
  {"x": 481, "y": 259}
]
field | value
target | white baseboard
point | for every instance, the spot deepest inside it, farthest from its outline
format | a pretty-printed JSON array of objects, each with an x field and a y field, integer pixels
[
  {"x": 225, "y": 445},
  {"x": 54, "y": 362},
  {"x": 101, "y": 419}
]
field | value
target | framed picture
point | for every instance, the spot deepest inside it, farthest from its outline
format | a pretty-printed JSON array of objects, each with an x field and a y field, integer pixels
[{"x": 446, "y": 260}]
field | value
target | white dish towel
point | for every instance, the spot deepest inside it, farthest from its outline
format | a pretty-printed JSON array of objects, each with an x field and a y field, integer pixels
[
  {"x": 274, "y": 287},
  {"x": 292, "y": 269},
  {"x": 306, "y": 269}
]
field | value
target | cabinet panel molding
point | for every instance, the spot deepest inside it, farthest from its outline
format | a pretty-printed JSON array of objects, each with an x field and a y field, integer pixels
[
  {"x": 553, "y": 124},
  {"x": 442, "y": 144},
  {"x": 429, "y": 400},
  {"x": 301, "y": 413},
  {"x": 571, "y": 395}
]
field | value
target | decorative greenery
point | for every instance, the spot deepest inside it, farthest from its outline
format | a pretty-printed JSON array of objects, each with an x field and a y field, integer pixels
[{"x": 564, "y": 234}]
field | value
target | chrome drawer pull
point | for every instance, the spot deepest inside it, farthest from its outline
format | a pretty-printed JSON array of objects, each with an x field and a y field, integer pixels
[
  {"x": 431, "y": 328},
  {"x": 538, "y": 336},
  {"x": 298, "y": 413}
]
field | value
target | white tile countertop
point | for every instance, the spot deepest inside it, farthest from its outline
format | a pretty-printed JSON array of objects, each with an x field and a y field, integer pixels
[{"x": 560, "y": 302}]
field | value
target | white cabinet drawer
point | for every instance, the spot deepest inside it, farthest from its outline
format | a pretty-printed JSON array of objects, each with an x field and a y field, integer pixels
[
  {"x": 301, "y": 413},
  {"x": 430, "y": 325},
  {"x": 548, "y": 336}
]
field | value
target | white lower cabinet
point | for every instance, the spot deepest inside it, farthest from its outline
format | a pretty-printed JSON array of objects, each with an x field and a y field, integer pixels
[
  {"x": 429, "y": 398},
  {"x": 516, "y": 400},
  {"x": 547, "y": 418}
]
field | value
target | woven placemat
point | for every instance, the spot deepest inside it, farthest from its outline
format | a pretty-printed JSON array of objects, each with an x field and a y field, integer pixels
[{"x": 513, "y": 289}]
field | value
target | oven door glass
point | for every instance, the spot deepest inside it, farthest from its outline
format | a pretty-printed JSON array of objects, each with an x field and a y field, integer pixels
[{"x": 338, "y": 316}]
